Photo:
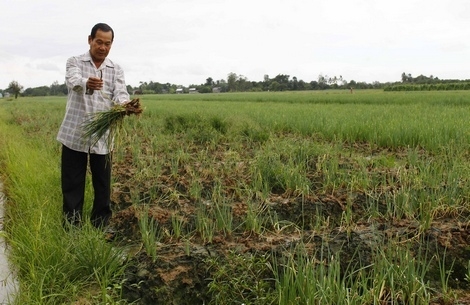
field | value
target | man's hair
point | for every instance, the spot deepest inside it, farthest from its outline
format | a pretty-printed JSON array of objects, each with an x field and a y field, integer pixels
[{"x": 101, "y": 26}]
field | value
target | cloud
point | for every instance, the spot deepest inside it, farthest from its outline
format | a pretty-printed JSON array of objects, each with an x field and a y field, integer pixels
[
  {"x": 184, "y": 42},
  {"x": 48, "y": 66}
]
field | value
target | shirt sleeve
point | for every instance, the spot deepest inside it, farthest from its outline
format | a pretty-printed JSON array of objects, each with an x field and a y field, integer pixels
[
  {"x": 73, "y": 76},
  {"x": 120, "y": 89}
]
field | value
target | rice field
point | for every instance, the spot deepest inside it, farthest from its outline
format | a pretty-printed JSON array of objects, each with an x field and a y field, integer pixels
[{"x": 256, "y": 198}]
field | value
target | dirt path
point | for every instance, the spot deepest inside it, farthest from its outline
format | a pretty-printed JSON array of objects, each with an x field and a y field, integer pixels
[{"x": 8, "y": 282}]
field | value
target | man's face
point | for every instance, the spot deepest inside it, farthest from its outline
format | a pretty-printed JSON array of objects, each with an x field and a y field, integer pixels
[{"x": 100, "y": 45}]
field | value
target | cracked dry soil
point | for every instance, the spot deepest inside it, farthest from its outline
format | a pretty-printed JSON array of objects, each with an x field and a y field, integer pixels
[{"x": 180, "y": 274}]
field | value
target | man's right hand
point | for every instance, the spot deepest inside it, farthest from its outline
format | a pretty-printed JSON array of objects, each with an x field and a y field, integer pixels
[{"x": 94, "y": 83}]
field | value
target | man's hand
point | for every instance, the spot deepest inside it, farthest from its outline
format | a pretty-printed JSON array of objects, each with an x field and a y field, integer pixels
[{"x": 94, "y": 83}]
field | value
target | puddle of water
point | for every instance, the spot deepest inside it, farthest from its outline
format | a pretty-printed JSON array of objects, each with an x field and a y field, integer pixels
[{"x": 8, "y": 283}]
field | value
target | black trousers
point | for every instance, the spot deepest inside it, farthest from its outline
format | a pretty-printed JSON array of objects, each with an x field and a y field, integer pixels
[{"x": 73, "y": 176}]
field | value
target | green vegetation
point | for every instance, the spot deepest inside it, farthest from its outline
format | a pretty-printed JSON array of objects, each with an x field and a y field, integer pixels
[
  {"x": 256, "y": 198},
  {"x": 53, "y": 264},
  {"x": 279, "y": 83},
  {"x": 15, "y": 88},
  {"x": 428, "y": 87}
]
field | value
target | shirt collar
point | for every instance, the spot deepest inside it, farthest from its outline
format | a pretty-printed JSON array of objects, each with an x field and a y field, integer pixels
[{"x": 106, "y": 63}]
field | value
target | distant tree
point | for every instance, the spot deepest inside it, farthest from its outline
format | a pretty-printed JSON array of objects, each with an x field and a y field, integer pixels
[
  {"x": 377, "y": 85},
  {"x": 56, "y": 89},
  {"x": 323, "y": 81},
  {"x": 301, "y": 85},
  {"x": 232, "y": 82},
  {"x": 280, "y": 83},
  {"x": 274, "y": 86},
  {"x": 333, "y": 80},
  {"x": 209, "y": 82},
  {"x": 41, "y": 91},
  {"x": 352, "y": 84},
  {"x": 256, "y": 85},
  {"x": 404, "y": 77},
  {"x": 142, "y": 86},
  {"x": 154, "y": 87},
  {"x": 37, "y": 91},
  {"x": 342, "y": 81},
  {"x": 282, "y": 78},
  {"x": 204, "y": 89},
  {"x": 15, "y": 88},
  {"x": 266, "y": 82},
  {"x": 295, "y": 83},
  {"x": 28, "y": 92},
  {"x": 243, "y": 84},
  {"x": 64, "y": 89},
  {"x": 222, "y": 84},
  {"x": 314, "y": 85}
]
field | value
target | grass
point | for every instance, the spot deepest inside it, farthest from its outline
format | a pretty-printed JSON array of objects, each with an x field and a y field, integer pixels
[
  {"x": 150, "y": 234},
  {"x": 54, "y": 266},
  {"x": 386, "y": 158}
]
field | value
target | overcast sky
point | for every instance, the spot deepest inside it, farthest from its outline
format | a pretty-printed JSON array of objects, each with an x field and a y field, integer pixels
[{"x": 184, "y": 42}]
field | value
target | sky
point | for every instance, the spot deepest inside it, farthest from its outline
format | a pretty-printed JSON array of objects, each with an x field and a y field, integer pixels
[{"x": 185, "y": 42}]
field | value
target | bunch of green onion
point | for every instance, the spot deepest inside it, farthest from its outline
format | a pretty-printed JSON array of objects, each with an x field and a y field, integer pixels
[{"x": 96, "y": 126}]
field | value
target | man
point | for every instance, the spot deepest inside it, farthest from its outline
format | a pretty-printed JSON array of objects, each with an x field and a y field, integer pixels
[{"x": 94, "y": 83}]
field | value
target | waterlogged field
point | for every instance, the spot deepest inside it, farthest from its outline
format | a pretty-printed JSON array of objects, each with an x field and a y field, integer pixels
[{"x": 255, "y": 198}]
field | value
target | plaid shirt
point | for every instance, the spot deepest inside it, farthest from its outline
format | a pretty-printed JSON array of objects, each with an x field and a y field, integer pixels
[{"x": 80, "y": 104}]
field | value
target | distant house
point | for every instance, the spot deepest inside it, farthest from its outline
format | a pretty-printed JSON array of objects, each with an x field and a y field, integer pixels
[
  {"x": 193, "y": 90},
  {"x": 1, "y": 95},
  {"x": 216, "y": 90},
  {"x": 179, "y": 90}
]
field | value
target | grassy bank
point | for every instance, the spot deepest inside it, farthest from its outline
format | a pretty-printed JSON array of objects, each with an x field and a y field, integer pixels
[{"x": 54, "y": 266}]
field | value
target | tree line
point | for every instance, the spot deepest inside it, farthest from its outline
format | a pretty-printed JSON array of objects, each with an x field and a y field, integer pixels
[
  {"x": 281, "y": 82},
  {"x": 424, "y": 83},
  {"x": 239, "y": 83}
]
